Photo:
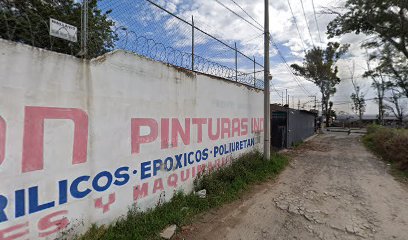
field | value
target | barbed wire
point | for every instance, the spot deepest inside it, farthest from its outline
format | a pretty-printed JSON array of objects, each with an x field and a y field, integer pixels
[
  {"x": 147, "y": 47},
  {"x": 163, "y": 36}
]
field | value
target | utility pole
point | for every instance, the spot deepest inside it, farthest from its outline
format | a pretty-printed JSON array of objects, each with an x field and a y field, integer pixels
[
  {"x": 288, "y": 101},
  {"x": 84, "y": 29},
  {"x": 293, "y": 102},
  {"x": 286, "y": 96},
  {"x": 298, "y": 104},
  {"x": 267, "y": 108},
  {"x": 282, "y": 98}
]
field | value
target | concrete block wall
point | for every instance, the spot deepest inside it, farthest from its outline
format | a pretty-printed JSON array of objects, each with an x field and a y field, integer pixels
[{"x": 82, "y": 141}]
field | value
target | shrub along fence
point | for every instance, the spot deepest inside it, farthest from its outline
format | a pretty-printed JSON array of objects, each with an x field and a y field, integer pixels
[{"x": 391, "y": 144}]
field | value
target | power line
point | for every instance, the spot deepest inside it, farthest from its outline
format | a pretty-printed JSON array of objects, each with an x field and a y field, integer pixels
[
  {"x": 297, "y": 27},
  {"x": 274, "y": 88},
  {"x": 205, "y": 33},
  {"x": 308, "y": 28},
  {"x": 317, "y": 24},
  {"x": 253, "y": 19},
  {"x": 288, "y": 67},
  {"x": 236, "y": 14}
]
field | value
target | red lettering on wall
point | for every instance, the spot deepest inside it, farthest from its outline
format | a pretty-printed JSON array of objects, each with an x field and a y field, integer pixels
[
  {"x": 244, "y": 126},
  {"x": 257, "y": 125},
  {"x": 140, "y": 192},
  {"x": 158, "y": 185},
  {"x": 225, "y": 127},
  {"x": 2, "y": 140},
  {"x": 177, "y": 129},
  {"x": 199, "y": 122},
  {"x": 105, "y": 207},
  {"x": 164, "y": 132},
  {"x": 210, "y": 127},
  {"x": 33, "y": 139},
  {"x": 53, "y": 226},
  {"x": 236, "y": 127},
  {"x": 11, "y": 234},
  {"x": 137, "y": 139}
]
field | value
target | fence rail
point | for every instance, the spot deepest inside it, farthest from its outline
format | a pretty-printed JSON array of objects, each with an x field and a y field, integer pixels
[{"x": 142, "y": 27}]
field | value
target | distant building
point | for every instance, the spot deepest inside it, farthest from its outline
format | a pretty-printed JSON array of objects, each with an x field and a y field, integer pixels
[
  {"x": 353, "y": 120},
  {"x": 290, "y": 126}
]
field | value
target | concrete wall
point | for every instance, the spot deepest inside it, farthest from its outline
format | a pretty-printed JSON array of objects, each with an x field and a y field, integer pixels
[
  {"x": 81, "y": 142},
  {"x": 301, "y": 126}
]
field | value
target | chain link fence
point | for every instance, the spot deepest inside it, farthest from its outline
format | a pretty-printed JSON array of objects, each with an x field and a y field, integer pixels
[{"x": 141, "y": 26}]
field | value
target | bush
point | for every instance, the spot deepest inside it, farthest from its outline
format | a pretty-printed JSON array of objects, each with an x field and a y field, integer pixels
[
  {"x": 390, "y": 144},
  {"x": 222, "y": 186}
]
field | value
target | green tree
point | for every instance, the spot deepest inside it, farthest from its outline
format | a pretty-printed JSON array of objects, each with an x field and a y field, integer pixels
[
  {"x": 395, "y": 65},
  {"x": 387, "y": 20},
  {"x": 380, "y": 84},
  {"x": 357, "y": 96},
  {"x": 319, "y": 68},
  {"x": 396, "y": 106},
  {"x": 28, "y": 22}
]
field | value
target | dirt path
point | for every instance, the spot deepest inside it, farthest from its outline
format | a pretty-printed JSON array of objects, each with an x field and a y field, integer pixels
[{"x": 333, "y": 189}]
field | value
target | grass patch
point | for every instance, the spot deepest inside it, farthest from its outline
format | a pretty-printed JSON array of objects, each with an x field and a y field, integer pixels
[
  {"x": 223, "y": 186},
  {"x": 391, "y": 145}
]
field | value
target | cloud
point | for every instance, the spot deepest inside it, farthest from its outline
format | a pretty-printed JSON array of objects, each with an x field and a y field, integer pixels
[{"x": 224, "y": 25}]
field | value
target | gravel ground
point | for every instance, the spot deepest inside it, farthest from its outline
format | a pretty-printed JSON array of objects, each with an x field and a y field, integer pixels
[{"x": 333, "y": 189}]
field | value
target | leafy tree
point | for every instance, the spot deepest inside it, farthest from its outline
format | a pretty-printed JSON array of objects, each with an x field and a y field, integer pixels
[
  {"x": 395, "y": 66},
  {"x": 385, "y": 19},
  {"x": 359, "y": 103},
  {"x": 357, "y": 96},
  {"x": 319, "y": 68},
  {"x": 28, "y": 22},
  {"x": 396, "y": 106},
  {"x": 380, "y": 84}
]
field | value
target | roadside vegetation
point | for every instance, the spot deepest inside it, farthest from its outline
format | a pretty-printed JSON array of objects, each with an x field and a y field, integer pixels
[
  {"x": 390, "y": 144},
  {"x": 222, "y": 186}
]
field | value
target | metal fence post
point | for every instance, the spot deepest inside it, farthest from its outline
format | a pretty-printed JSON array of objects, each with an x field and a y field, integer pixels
[
  {"x": 84, "y": 28},
  {"x": 236, "y": 62},
  {"x": 192, "y": 43},
  {"x": 254, "y": 73}
]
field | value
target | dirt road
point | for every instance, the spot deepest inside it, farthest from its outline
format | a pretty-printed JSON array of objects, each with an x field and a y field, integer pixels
[{"x": 333, "y": 189}]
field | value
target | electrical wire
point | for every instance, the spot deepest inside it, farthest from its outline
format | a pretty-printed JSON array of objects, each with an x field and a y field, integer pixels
[
  {"x": 317, "y": 24},
  {"x": 288, "y": 67},
  {"x": 308, "y": 28},
  {"x": 253, "y": 19},
  {"x": 236, "y": 14},
  {"x": 297, "y": 27}
]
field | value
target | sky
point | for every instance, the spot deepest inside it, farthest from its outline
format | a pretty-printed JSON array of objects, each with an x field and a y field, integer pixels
[{"x": 143, "y": 19}]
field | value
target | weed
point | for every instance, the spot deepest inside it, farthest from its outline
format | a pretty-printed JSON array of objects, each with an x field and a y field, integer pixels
[
  {"x": 223, "y": 186},
  {"x": 390, "y": 144}
]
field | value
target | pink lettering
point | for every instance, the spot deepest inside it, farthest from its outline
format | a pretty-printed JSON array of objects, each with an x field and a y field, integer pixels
[
  {"x": 244, "y": 126},
  {"x": 105, "y": 207},
  {"x": 164, "y": 133},
  {"x": 236, "y": 127},
  {"x": 33, "y": 139},
  {"x": 12, "y": 231},
  {"x": 225, "y": 127},
  {"x": 137, "y": 139},
  {"x": 55, "y": 225},
  {"x": 210, "y": 128},
  {"x": 185, "y": 175},
  {"x": 158, "y": 185},
  {"x": 140, "y": 192},
  {"x": 199, "y": 122},
  {"x": 177, "y": 129},
  {"x": 257, "y": 125}
]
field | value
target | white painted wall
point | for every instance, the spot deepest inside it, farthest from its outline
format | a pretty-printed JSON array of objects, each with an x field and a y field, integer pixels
[{"x": 111, "y": 91}]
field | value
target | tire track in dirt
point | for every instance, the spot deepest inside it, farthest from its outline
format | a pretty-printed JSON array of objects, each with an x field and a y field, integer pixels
[{"x": 333, "y": 189}]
